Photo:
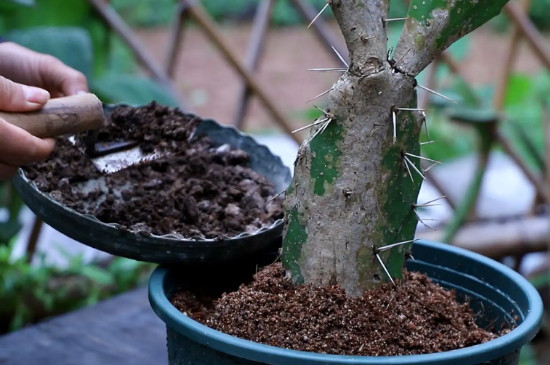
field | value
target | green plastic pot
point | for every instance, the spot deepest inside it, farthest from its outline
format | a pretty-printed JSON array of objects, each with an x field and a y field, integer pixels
[{"x": 501, "y": 294}]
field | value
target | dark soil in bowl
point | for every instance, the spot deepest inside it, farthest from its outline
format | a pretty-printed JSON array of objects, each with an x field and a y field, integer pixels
[
  {"x": 416, "y": 316},
  {"x": 193, "y": 189}
]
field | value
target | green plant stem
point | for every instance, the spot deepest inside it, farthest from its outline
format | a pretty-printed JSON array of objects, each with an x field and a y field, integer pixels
[{"x": 467, "y": 207}]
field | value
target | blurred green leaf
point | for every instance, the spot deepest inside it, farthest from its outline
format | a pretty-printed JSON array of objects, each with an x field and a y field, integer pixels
[
  {"x": 528, "y": 356},
  {"x": 13, "y": 5},
  {"x": 49, "y": 13},
  {"x": 131, "y": 89},
  {"x": 527, "y": 146},
  {"x": 472, "y": 115},
  {"x": 8, "y": 230},
  {"x": 538, "y": 13},
  {"x": 398, "y": 8},
  {"x": 540, "y": 280},
  {"x": 523, "y": 106},
  {"x": 146, "y": 13},
  {"x": 520, "y": 88},
  {"x": 120, "y": 59},
  {"x": 451, "y": 140},
  {"x": 97, "y": 274},
  {"x": 461, "y": 48},
  {"x": 467, "y": 94},
  {"x": 23, "y": 2}
]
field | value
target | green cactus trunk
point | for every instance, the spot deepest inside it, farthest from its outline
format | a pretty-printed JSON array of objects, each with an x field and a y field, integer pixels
[
  {"x": 352, "y": 191},
  {"x": 356, "y": 179}
]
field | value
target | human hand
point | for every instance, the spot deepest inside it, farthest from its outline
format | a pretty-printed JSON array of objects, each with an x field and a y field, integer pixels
[
  {"x": 18, "y": 148},
  {"x": 28, "y": 67},
  {"x": 48, "y": 76}
]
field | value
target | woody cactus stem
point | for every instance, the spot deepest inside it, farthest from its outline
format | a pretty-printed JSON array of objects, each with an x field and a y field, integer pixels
[{"x": 353, "y": 190}]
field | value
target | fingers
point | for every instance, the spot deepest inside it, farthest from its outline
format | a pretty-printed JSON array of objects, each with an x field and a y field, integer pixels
[
  {"x": 18, "y": 97},
  {"x": 17, "y": 147},
  {"x": 33, "y": 68},
  {"x": 59, "y": 78},
  {"x": 74, "y": 83}
]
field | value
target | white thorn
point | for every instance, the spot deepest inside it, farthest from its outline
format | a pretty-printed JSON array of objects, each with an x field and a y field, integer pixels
[
  {"x": 423, "y": 158},
  {"x": 394, "y": 119},
  {"x": 324, "y": 126},
  {"x": 384, "y": 267},
  {"x": 328, "y": 69},
  {"x": 310, "y": 125},
  {"x": 412, "y": 109},
  {"x": 321, "y": 94},
  {"x": 326, "y": 120},
  {"x": 340, "y": 56},
  {"x": 409, "y": 170},
  {"x": 318, "y": 15},
  {"x": 426, "y": 205},
  {"x": 430, "y": 167},
  {"x": 395, "y": 19},
  {"x": 427, "y": 142},
  {"x": 389, "y": 247},
  {"x": 414, "y": 167},
  {"x": 325, "y": 113},
  {"x": 322, "y": 129},
  {"x": 429, "y": 202},
  {"x": 276, "y": 196},
  {"x": 422, "y": 221},
  {"x": 436, "y": 93},
  {"x": 426, "y": 126}
]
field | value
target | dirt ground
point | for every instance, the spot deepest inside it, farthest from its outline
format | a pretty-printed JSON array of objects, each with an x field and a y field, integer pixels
[{"x": 212, "y": 88}]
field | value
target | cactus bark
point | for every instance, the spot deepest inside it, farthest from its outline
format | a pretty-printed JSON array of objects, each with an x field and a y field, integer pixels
[{"x": 353, "y": 191}]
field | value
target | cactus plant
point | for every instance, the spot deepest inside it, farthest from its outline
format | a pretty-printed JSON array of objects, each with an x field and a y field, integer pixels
[{"x": 350, "y": 210}]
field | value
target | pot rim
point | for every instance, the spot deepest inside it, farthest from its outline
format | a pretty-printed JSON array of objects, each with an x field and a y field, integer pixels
[{"x": 260, "y": 352}]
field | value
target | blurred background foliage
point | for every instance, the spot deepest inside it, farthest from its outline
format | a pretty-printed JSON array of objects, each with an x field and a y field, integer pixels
[{"x": 73, "y": 32}]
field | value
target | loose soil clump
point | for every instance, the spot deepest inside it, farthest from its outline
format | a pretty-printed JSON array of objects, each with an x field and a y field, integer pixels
[
  {"x": 416, "y": 316},
  {"x": 193, "y": 189}
]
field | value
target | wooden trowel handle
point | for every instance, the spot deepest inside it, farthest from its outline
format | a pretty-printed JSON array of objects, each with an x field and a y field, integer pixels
[{"x": 66, "y": 115}]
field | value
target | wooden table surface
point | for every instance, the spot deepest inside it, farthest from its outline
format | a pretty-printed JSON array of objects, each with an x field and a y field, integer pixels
[{"x": 121, "y": 330}]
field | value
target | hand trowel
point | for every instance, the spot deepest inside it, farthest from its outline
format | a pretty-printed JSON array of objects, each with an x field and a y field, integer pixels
[
  {"x": 74, "y": 114},
  {"x": 60, "y": 116}
]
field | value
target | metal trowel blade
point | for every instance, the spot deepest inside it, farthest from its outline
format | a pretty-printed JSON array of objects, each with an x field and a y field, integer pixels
[
  {"x": 110, "y": 157},
  {"x": 116, "y": 161}
]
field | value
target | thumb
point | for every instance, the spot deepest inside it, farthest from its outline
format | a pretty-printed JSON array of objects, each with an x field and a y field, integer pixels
[{"x": 16, "y": 97}]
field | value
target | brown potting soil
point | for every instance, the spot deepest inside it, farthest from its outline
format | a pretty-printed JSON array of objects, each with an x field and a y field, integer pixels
[
  {"x": 194, "y": 189},
  {"x": 416, "y": 316}
]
